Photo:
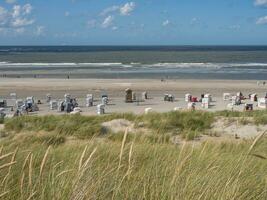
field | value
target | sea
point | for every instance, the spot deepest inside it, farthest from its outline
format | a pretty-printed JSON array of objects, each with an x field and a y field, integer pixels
[{"x": 135, "y": 62}]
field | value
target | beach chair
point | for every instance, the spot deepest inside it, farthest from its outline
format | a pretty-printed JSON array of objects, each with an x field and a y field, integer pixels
[
  {"x": 262, "y": 103},
  {"x": 100, "y": 109}
]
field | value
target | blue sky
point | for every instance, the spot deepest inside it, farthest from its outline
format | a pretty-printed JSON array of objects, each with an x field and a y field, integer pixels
[{"x": 133, "y": 22}]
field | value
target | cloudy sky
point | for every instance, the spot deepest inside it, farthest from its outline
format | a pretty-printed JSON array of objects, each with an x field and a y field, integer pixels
[{"x": 138, "y": 22}]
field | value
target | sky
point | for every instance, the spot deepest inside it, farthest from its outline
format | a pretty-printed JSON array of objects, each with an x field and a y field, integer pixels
[{"x": 133, "y": 22}]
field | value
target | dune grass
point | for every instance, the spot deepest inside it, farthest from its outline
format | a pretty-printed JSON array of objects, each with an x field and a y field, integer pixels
[
  {"x": 131, "y": 170},
  {"x": 83, "y": 127},
  {"x": 187, "y": 124},
  {"x": 259, "y": 116},
  {"x": 72, "y": 157}
]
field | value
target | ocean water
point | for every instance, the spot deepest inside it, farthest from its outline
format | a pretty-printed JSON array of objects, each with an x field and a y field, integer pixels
[{"x": 172, "y": 62}]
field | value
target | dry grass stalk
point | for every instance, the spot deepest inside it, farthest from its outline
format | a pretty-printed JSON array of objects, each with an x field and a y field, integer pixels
[
  {"x": 30, "y": 172},
  {"x": 256, "y": 141},
  {"x": 12, "y": 162},
  {"x": 3, "y": 194},
  {"x": 6, "y": 155},
  {"x": 31, "y": 196},
  {"x": 44, "y": 161},
  {"x": 57, "y": 164},
  {"x": 26, "y": 161},
  {"x": 23, "y": 173},
  {"x": 130, "y": 156},
  {"x": 22, "y": 183},
  {"x": 203, "y": 149},
  {"x": 122, "y": 147},
  {"x": 1, "y": 149},
  {"x": 81, "y": 171},
  {"x": 82, "y": 157},
  {"x": 64, "y": 172},
  {"x": 7, "y": 165},
  {"x": 129, "y": 166},
  {"x": 88, "y": 159},
  {"x": 179, "y": 168}
]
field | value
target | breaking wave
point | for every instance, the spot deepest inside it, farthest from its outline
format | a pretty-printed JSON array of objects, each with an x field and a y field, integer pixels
[{"x": 136, "y": 65}]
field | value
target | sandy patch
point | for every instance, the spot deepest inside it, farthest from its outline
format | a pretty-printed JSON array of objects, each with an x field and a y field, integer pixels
[
  {"x": 118, "y": 126},
  {"x": 233, "y": 127}
]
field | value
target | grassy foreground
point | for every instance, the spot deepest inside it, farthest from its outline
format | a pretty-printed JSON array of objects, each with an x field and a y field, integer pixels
[{"x": 70, "y": 157}]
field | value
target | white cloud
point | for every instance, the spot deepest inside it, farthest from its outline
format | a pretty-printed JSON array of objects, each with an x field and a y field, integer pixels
[
  {"x": 110, "y": 10},
  {"x": 107, "y": 21},
  {"x": 3, "y": 16},
  {"x": 27, "y": 9},
  {"x": 166, "y": 23},
  {"x": 262, "y": 20},
  {"x": 114, "y": 28},
  {"x": 40, "y": 30},
  {"x": 194, "y": 20},
  {"x": 260, "y": 2},
  {"x": 19, "y": 14},
  {"x": 20, "y": 30},
  {"x": 16, "y": 19},
  {"x": 10, "y": 1},
  {"x": 21, "y": 10},
  {"x": 127, "y": 8},
  {"x": 22, "y": 22},
  {"x": 16, "y": 11}
]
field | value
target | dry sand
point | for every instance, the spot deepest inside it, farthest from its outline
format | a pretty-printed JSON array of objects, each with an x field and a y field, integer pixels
[{"x": 115, "y": 89}]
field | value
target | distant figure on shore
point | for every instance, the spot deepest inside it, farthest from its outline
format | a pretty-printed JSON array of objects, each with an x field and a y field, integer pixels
[{"x": 68, "y": 77}]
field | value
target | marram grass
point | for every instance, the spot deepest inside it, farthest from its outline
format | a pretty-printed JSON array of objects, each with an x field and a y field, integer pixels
[
  {"x": 128, "y": 170},
  {"x": 42, "y": 159}
]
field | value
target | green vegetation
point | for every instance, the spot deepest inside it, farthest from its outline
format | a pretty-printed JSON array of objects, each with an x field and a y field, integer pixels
[
  {"x": 84, "y": 127},
  {"x": 181, "y": 121},
  {"x": 259, "y": 117},
  {"x": 187, "y": 124},
  {"x": 1, "y": 120},
  {"x": 73, "y": 157}
]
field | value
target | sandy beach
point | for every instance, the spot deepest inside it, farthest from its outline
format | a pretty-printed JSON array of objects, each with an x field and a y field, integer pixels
[{"x": 115, "y": 89}]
